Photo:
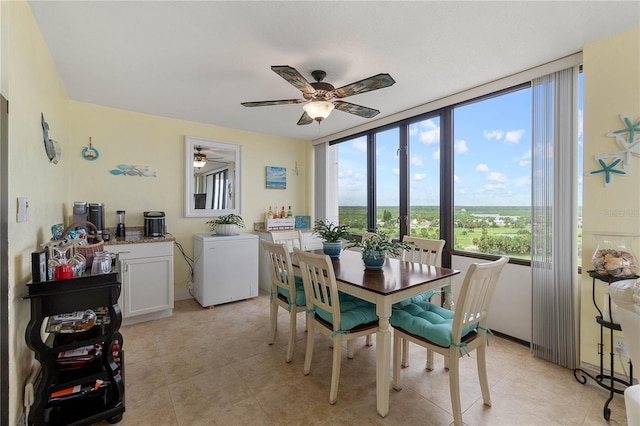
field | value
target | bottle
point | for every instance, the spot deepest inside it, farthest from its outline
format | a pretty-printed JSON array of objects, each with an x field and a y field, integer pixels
[
  {"x": 269, "y": 213},
  {"x": 283, "y": 214},
  {"x": 289, "y": 212}
]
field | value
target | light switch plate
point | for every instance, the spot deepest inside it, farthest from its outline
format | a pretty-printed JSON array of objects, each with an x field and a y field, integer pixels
[{"x": 23, "y": 207}]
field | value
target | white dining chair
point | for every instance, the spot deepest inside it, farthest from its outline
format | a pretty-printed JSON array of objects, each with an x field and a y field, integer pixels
[
  {"x": 452, "y": 334},
  {"x": 427, "y": 252},
  {"x": 287, "y": 291},
  {"x": 289, "y": 238},
  {"x": 338, "y": 316}
]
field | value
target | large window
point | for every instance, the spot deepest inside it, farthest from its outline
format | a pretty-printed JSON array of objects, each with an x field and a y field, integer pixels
[
  {"x": 492, "y": 174},
  {"x": 424, "y": 178},
  {"x": 461, "y": 173}
]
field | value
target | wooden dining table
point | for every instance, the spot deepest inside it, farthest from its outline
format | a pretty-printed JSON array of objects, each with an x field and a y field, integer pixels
[{"x": 396, "y": 281}]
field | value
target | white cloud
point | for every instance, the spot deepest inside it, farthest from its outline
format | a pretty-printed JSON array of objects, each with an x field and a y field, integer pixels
[
  {"x": 513, "y": 136},
  {"x": 430, "y": 136},
  {"x": 395, "y": 171},
  {"x": 457, "y": 179},
  {"x": 416, "y": 161},
  {"x": 419, "y": 176},
  {"x": 360, "y": 145},
  {"x": 494, "y": 187},
  {"x": 497, "y": 177},
  {"x": 494, "y": 134},
  {"x": 482, "y": 167},
  {"x": 461, "y": 146},
  {"x": 524, "y": 159},
  {"x": 436, "y": 154}
]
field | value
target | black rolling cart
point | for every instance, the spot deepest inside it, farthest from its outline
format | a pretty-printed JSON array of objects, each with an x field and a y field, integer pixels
[
  {"x": 607, "y": 381},
  {"x": 82, "y": 372}
]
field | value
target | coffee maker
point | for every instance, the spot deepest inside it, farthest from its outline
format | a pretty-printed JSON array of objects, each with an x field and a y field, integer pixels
[
  {"x": 80, "y": 211},
  {"x": 96, "y": 216}
]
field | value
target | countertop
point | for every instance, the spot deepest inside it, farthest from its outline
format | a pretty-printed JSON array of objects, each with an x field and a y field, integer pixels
[{"x": 135, "y": 236}]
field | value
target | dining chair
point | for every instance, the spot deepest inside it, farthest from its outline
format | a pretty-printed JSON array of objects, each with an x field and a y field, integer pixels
[
  {"x": 427, "y": 252},
  {"x": 338, "y": 316},
  {"x": 287, "y": 291},
  {"x": 452, "y": 334},
  {"x": 289, "y": 238}
]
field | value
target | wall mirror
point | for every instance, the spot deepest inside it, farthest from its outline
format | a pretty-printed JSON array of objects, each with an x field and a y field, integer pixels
[{"x": 212, "y": 177}]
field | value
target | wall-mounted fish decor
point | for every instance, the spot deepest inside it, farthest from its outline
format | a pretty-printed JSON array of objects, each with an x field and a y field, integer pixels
[{"x": 126, "y": 170}]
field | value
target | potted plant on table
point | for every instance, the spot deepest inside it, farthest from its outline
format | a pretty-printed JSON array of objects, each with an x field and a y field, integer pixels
[
  {"x": 226, "y": 225},
  {"x": 332, "y": 236},
  {"x": 376, "y": 247}
]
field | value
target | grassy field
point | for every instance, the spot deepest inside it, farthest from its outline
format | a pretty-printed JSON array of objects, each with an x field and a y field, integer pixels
[{"x": 486, "y": 229}]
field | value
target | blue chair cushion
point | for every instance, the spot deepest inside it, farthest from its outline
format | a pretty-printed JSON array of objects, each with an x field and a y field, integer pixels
[
  {"x": 428, "y": 321},
  {"x": 353, "y": 312},
  {"x": 424, "y": 297},
  {"x": 301, "y": 300}
]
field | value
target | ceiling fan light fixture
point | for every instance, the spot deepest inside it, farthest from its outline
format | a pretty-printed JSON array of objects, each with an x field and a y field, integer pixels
[
  {"x": 318, "y": 110},
  {"x": 199, "y": 160}
]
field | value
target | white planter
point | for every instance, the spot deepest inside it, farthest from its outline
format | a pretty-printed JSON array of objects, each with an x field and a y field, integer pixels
[{"x": 226, "y": 229}]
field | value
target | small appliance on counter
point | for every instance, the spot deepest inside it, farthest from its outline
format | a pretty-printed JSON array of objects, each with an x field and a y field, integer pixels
[
  {"x": 120, "y": 230},
  {"x": 154, "y": 225},
  {"x": 80, "y": 211},
  {"x": 96, "y": 216}
]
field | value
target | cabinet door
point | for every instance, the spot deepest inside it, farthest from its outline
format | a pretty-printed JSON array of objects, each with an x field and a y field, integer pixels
[{"x": 147, "y": 285}]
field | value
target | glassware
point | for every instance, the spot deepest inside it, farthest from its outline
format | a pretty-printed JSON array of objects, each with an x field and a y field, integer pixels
[
  {"x": 614, "y": 256},
  {"x": 53, "y": 261},
  {"x": 101, "y": 263}
]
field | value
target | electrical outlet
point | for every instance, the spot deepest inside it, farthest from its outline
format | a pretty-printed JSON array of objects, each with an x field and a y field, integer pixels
[{"x": 619, "y": 347}]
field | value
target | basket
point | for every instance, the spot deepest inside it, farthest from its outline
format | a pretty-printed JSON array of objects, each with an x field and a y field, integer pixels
[{"x": 87, "y": 250}]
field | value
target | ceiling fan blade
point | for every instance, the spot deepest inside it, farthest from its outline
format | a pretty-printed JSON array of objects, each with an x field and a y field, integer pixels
[
  {"x": 360, "y": 110},
  {"x": 294, "y": 77},
  {"x": 305, "y": 119},
  {"x": 368, "y": 84},
  {"x": 267, "y": 103}
]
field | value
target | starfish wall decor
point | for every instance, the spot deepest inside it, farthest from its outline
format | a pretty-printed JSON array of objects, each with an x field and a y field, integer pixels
[{"x": 619, "y": 162}]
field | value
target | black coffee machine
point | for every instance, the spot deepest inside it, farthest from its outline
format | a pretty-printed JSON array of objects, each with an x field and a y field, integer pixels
[
  {"x": 154, "y": 225},
  {"x": 92, "y": 212},
  {"x": 96, "y": 216}
]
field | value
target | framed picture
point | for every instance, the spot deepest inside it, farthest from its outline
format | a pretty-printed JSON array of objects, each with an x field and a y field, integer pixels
[
  {"x": 303, "y": 222},
  {"x": 276, "y": 177}
]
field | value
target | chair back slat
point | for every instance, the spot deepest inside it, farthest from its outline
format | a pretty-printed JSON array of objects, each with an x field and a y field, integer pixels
[
  {"x": 425, "y": 251},
  {"x": 290, "y": 239},
  {"x": 320, "y": 285},
  {"x": 475, "y": 295},
  {"x": 280, "y": 268}
]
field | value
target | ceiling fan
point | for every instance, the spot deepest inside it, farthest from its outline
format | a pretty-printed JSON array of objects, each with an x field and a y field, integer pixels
[
  {"x": 200, "y": 159},
  {"x": 320, "y": 98}
]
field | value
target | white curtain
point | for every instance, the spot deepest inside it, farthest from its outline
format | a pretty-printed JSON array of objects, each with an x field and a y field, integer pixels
[
  {"x": 320, "y": 181},
  {"x": 554, "y": 260}
]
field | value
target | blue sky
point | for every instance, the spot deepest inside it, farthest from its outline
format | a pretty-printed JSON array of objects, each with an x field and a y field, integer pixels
[{"x": 492, "y": 159}]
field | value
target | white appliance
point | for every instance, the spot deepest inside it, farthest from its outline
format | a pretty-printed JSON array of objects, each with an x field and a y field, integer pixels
[{"x": 225, "y": 268}]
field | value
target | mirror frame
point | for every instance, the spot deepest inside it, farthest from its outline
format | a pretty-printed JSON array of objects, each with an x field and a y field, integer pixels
[{"x": 190, "y": 142}]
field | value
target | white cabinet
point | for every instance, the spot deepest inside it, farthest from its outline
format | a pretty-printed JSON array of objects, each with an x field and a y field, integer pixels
[
  {"x": 225, "y": 268},
  {"x": 310, "y": 241},
  {"x": 146, "y": 274}
]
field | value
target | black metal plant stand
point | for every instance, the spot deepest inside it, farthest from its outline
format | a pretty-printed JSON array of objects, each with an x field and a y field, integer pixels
[{"x": 607, "y": 381}]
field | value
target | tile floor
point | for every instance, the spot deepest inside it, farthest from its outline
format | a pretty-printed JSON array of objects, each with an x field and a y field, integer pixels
[{"x": 215, "y": 367}]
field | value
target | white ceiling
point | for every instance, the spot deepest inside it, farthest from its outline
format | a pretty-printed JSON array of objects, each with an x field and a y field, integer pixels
[{"x": 199, "y": 60}]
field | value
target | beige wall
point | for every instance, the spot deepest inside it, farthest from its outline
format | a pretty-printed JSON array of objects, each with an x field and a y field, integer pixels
[
  {"x": 33, "y": 87},
  {"x": 122, "y": 137},
  {"x": 611, "y": 88}
]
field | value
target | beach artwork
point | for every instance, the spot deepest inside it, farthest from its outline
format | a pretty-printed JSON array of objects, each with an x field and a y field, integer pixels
[{"x": 276, "y": 177}]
